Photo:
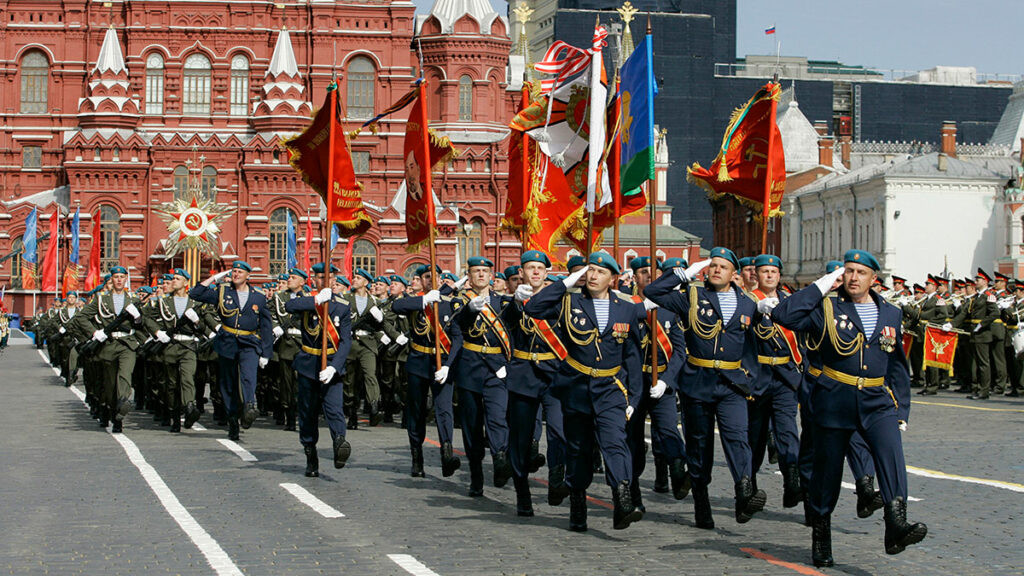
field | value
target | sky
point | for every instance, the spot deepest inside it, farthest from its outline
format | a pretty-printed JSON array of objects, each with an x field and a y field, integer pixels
[{"x": 888, "y": 34}]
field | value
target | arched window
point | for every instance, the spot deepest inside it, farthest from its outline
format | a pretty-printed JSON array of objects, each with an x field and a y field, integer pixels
[
  {"x": 470, "y": 236},
  {"x": 110, "y": 237},
  {"x": 239, "y": 85},
  {"x": 208, "y": 183},
  {"x": 364, "y": 255},
  {"x": 196, "y": 85},
  {"x": 16, "y": 249},
  {"x": 360, "y": 77},
  {"x": 465, "y": 99},
  {"x": 35, "y": 79},
  {"x": 279, "y": 239},
  {"x": 155, "y": 84},
  {"x": 410, "y": 270},
  {"x": 180, "y": 182}
]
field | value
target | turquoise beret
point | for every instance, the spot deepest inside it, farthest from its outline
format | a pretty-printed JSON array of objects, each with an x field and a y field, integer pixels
[
  {"x": 241, "y": 265},
  {"x": 342, "y": 280},
  {"x": 318, "y": 268},
  {"x": 500, "y": 275},
  {"x": 768, "y": 260},
  {"x": 725, "y": 253},
  {"x": 479, "y": 261},
  {"x": 383, "y": 279},
  {"x": 832, "y": 265},
  {"x": 862, "y": 257},
  {"x": 449, "y": 276},
  {"x": 296, "y": 272},
  {"x": 640, "y": 262},
  {"x": 604, "y": 260},
  {"x": 72, "y": 293},
  {"x": 167, "y": 276},
  {"x": 118, "y": 270},
  {"x": 673, "y": 263},
  {"x": 511, "y": 271},
  {"x": 364, "y": 274},
  {"x": 397, "y": 278},
  {"x": 575, "y": 262},
  {"x": 535, "y": 256},
  {"x": 424, "y": 268},
  {"x": 183, "y": 273},
  {"x": 747, "y": 261}
]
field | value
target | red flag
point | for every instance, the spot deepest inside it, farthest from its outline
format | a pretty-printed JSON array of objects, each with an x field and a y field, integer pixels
[
  {"x": 346, "y": 263},
  {"x": 419, "y": 199},
  {"x": 750, "y": 163},
  {"x": 624, "y": 202},
  {"x": 908, "y": 343},
  {"x": 517, "y": 203},
  {"x": 939, "y": 348},
  {"x": 50, "y": 262},
  {"x": 92, "y": 279},
  {"x": 305, "y": 249},
  {"x": 321, "y": 154}
]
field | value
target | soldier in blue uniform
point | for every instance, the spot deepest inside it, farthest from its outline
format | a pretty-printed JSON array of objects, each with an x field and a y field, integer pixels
[
  {"x": 423, "y": 374},
  {"x": 321, "y": 389},
  {"x": 599, "y": 383},
  {"x": 537, "y": 352},
  {"x": 244, "y": 342},
  {"x": 864, "y": 386},
  {"x": 716, "y": 380}
]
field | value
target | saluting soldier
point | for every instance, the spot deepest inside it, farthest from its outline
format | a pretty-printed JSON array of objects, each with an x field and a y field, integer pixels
[
  {"x": 599, "y": 383},
  {"x": 361, "y": 370},
  {"x": 864, "y": 386},
  {"x": 288, "y": 337},
  {"x": 978, "y": 316},
  {"x": 244, "y": 341}
]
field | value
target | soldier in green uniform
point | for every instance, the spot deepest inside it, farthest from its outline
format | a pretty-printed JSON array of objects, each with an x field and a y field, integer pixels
[
  {"x": 977, "y": 316},
  {"x": 964, "y": 367},
  {"x": 932, "y": 309},
  {"x": 999, "y": 335},
  {"x": 1012, "y": 316},
  {"x": 67, "y": 352},
  {"x": 392, "y": 359},
  {"x": 361, "y": 366},
  {"x": 289, "y": 342}
]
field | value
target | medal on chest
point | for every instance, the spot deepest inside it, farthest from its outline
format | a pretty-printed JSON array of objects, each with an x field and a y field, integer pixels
[{"x": 887, "y": 339}]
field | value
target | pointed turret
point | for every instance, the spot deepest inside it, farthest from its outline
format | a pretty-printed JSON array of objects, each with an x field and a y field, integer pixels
[
  {"x": 449, "y": 17},
  {"x": 108, "y": 102},
  {"x": 283, "y": 107}
]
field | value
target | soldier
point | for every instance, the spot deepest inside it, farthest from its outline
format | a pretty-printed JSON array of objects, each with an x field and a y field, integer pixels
[
  {"x": 244, "y": 341},
  {"x": 288, "y": 336},
  {"x": 899, "y": 288},
  {"x": 361, "y": 367},
  {"x": 999, "y": 336},
  {"x": 748, "y": 274},
  {"x": 599, "y": 383},
  {"x": 932, "y": 310},
  {"x": 67, "y": 351},
  {"x": 864, "y": 386},
  {"x": 393, "y": 358},
  {"x": 966, "y": 368},
  {"x": 978, "y": 317},
  {"x": 499, "y": 285},
  {"x": 716, "y": 380},
  {"x": 1012, "y": 315},
  {"x": 512, "y": 278},
  {"x": 118, "y": 311},
  {"x": 424, "y": 375},
  {"x": 321, "y": 389}
]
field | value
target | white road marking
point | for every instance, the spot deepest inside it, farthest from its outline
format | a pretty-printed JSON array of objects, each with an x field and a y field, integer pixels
[
  {"x": 198, "y": 427},
  {"x": 853, "y": 487},
  {"x": 411, "y": 565},
  {"x": 1011, "y": 486},
  {"x": 307, "y": 498},
  {"x": 242, "y": 453}
]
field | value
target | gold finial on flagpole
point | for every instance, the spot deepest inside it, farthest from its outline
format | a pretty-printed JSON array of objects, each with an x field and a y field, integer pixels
[{"x": 627, "y": 11}]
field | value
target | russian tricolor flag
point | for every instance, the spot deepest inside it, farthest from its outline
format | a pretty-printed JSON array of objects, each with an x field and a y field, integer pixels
[{"x": 770, "y": 30}]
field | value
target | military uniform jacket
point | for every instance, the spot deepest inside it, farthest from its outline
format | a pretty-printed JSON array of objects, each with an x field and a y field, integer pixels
[
  {"x": 669, "y": 368},
  {"x": 394, "y": 324},
  {"x": 307, "y": 361},
  {"x": 66, "y": 314},
  {"x": 422, "y": 338},
  {"x": 290, "y": 342},
  {"x": 247, "y": 326},
  {"x": 162, "y": 315},
  {"x": 708, "y": 340},
  {"x": 365, "y": 328},
  {"x": 845, "y": 349},
  {"x": 603, "y": 367},
  {"x": 481, "y": 363},
  {"x": 975, "y": 312},
  {"x": 771, "y": 343},
  {"x": 529, "y": 377},
  {"x": 100, "y": 311}
]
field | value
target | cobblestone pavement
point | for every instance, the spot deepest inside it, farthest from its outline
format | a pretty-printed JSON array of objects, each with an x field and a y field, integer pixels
[{"x": 78, "y": 500}]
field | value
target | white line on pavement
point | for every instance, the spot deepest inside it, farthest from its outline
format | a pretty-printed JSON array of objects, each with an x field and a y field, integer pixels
[
  {"x": 1013, "y": 487},
  {"x": 307, "y": 498},
  {"x": 411, "y": 565},
  {"x": 242, "y": 453},
  {"x": 198, "y": 427},
  {"x": 853, "y": 487}
]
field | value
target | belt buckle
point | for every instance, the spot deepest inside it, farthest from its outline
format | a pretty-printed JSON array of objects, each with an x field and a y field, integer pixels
[
  {"x": 533, "y": 356},
  {"x": 593, "y": 372},
  {"x": 717, "y": 363},
  {"x": 860, "y": 383}
]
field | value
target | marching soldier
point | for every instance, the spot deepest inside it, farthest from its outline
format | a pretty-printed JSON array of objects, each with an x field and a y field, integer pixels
[
  {"x": 512, "y": 278},
  {"x": 394, "y": 355},
  {"x": 999, "y": 337},
  {"x": 67, "y": 351},
  {"x": 966, "y": 368},
  {"x": 361, "y": 369},
  {"x": 899, "y": 288},
  {"x": 288, "y": 338},
  {"x": 499, "y": 285},
  {"x": 1012, "y": 316},
  {"x": 978, "y": 317},
  {"x": 932, "y": 310},
  {"x": 748, "y": 274},
  {"x": 864, "y": 386},
  {"x": 244, "y": 341}
]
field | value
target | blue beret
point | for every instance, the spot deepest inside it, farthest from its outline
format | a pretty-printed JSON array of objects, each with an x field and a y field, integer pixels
[
  {"x": 862, "y": 257},
  {"x": 768, "y": 260},
  {"x": 109, "y": 274},
  {"x": 383, "y": 279},
  {"x": 575, "y": 262},
  {"x": 241, "y": 265},
  {"x": 118, "y": 270},
  {"x": 671, "y": 263},
  {"x": 640, "y": 262},
  {"x": 500, "y": 275},
  {"x": 511, "y": 271},
  {"x": 297, "y": 272},
  {"x": 147, "y": 290},
  {"x": 364, "y": 274},
  {"x": 397, "y": 278},
  {"x": 167, "y": 276},
  {"x": 72, "y": 293},
  {"x": 342, "y": 280},
  {"x": 183, "y": 273},
  {"x": 424, "y": 268},
  {"x": 284, "y": 276},
  {"x": 832, "y": 265},
  {"x": 534, "y": 256},
  {"x": 747, "y": 261},
  {"x": 604, "y": 260},
  {"x": 449, "y": 276},
  {"x": 725, "y": 253},
  {"x": 319, "y": 268},
  {"x": 553, "y": 278},
  {"x": 479, "y": 261}
]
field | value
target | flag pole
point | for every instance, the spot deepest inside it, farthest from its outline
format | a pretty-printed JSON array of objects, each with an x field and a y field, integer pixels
[
  {"x": 651, "y": 201},
  {"x": 616, "y": 182},
  {"x": 768, "y": 168},
  {"x": 428, "y": 189},
  {"x": 328, "y": 196},
  {"x": 526, "y": 171}
]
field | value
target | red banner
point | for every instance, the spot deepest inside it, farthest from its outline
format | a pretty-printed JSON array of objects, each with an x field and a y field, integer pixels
[
  {"x": 939, "y": 348},
  {"x": 624, "y": 202},
  {"x": 92, "y": 279},
  {"x": 420, "y": 143},
  {"x": 908, "y": 343},
  {"x": 50, "y": 261},
  {"x": 70, "y": 280}
]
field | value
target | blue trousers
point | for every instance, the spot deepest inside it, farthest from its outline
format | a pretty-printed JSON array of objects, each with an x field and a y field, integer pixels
[
  {"x": 523, "y": 416},
  {"x": 730, "y": 410},
  {"x": 609, "y": 426},
  {"x": 237, "y": 378},
  {"x": 776, "y": 408},
  {"x": 315, "y": 396},
  {"x": 489, "y": 409},
  {"x": 416, "y": 409},
  {"x": 666, "y": 441},
  {"x": 858, "y": 455}
]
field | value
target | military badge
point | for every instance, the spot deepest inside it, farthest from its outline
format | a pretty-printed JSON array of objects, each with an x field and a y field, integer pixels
[
  {"x": 744, "y": 319},
  {"x": 887, "y": 339},
  {"x": 620, "y": 330},
  {"x": 255, "y": 309}
]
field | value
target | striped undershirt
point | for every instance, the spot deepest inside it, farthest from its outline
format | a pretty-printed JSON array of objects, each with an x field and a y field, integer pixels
[
  {"x": 868, "y": 314},
  {"x": 601, "y": 311},
  {"x": 727, "y": 302}
]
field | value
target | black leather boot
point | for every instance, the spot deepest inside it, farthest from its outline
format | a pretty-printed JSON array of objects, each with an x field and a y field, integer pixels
[
  {"x": 578, "y": 510},
  {"x": 636, "y": 498},
  {"x": 748, "y": 500},
  {"x": 289, "y": 419},
  {"x": 449, "y": 462},
  {"x": 625, "y": 513},
  {"x": 502, "y": 469},
  {"x": 821, "y": 541},
  {"x": 279, "y": 416},
  {"x": 868, "y": 499},
  {"x": 524, "y": 501},
  {"x": 312, "y": 461},
  {"x": 536, "y": 458},
  {"x": 192, "y": 414},
  {"x": 376, "y": 416},
  {"x": 342, "y": 450},
  {"x": 702, "y": 508},
  {"x": 680, "y": 478},
  {"x": 102, "y": 416},
  {"x": 352, "y": 418},
  {"x": 417, "y": 462},
  {"x": 117, "y": 427},
  {"x": 476, "y": 478},
  {"x": 558, "y": 490},
  {"x": 176, "y": 420},
  {"x": 660, "y": 475},
  {"x": 232, "y": 428},
  {"x": 249, "y": 414},
  {"x": 773, "y": 451},
  {"x": 792, "y": 492},
  {"x": 898, "y": 532}
]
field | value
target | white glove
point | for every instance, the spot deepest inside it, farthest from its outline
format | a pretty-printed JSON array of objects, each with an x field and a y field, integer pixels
[
  {"x": 431, "y": 297},
  {"x": 441, "y": 376},
  {"x": 402, "y": 340},
  {"x": 323, "y": 296},
  {"x": 461, "y": 282},
  {"x": 575, "y": 277},
  {"x": 131, "y": 309},
  {"x": 649, "y": 305},
  {"x": 977, "y": 328},
  {"x": 690, "y": 274},
  {"x": 278, "y": 332},
  {"x": 385, "y": 339},
  {"x": 213, "y": 335},
  {"x": 99, "y": 336},
  {"x": 62, "y": 330},
  {"x": 767, "y": 305},
  {"x": 658, "y": 390},
  {"x": 327, "y": 374},
  {"x": 824, "y": 284},
  {"x": 162, "y": 337},
  {"x": 191, "y": 315},
  {"x": 1005, "y": 303},
  {"x": 501, "y": 373},
  {"x": 216, "y": 277},
  {"x": 377, "y": 314},
  {"x": 264, "y": 362},
  {"x": 523, "y": 292},
  {"x": 478, "y": 303},
  {"x": 947, "y": 327},
  {"x": 216, "y": 328},
  {"x": 903, "y": 426},
  {"x": 629, "y": 412}
]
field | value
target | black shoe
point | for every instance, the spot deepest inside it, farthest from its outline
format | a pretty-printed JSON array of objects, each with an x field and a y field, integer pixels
[
  {"x": 312, "y": 461},
  {"x": 558, "y": 490},
  {"x": 476, "y": 479},
  {"x": 289, "y": 420},
  {"x": 376, "y": 416},
  {"x": 192, "y": 414},
  {"x": 660, "y": 475},
  {"x": 449, "y": 462},
  {"x": 279, "y": 417},
  {"x": 232, "y": 428},
  {"x": 702, "y": 508},
  {"x": 342, "y": 450},
  {"x": 748, "y": 500},
  {"x": 117, "y": 427},
  {"x": 578, "y": 510},
  {"x": 898, "y": 532},
  {"x": 352, "y": 419},
  {"x": 524, "y": 501},
  {"x": 102, "y": 416},
  {"x": 417, "y": 462},
  {"x": 792, "y": 492},
  {"x": 773, "y": 451},
  {"x": 636, "y": 498},
  {"x": 537, "y": 460},
  {"x": 680, "y": 479},
  {"x": 625, "y": 513},
  {"x": 977, "y": 397},
  {"x": 821, "y": 541},
  {"x": 502, "y": 469},
  {"x": 175, "y": 425},
  {"x": 1012, "y": 394},
  {"x": 963, "y": 390},
  {"x": 868, "y": 499},
  {"x": 249, "y": 415}
]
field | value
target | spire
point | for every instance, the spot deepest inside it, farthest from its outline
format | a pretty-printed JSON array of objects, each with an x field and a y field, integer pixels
[
  {"x": 108, "y": 100},
  {"x": 448, "y": 12},
  {"x": 626, "y": 12},
  {"x": 283, "y": 60},
  {"x": 283, "y": 107},
  {"x": 110, "y": 58}
]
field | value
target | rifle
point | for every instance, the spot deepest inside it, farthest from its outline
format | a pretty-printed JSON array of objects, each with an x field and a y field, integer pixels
[{"x": 92, "y": 346}]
